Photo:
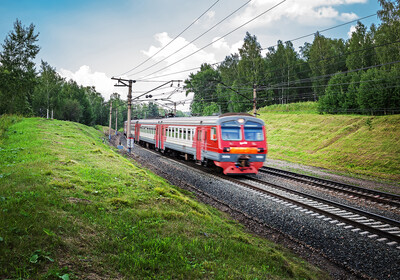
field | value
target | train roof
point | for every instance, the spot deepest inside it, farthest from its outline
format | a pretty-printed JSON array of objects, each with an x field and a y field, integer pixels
[{"x": 208, "y": 120}]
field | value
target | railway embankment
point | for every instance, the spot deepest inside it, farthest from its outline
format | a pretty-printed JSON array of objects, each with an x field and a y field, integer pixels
[
  {"x": 73, "y": 208},
  {"x": 363, "y": 147}
]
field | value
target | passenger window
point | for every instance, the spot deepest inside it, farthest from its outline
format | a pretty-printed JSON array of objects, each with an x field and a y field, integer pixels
[{"x": 213, "y": 133}]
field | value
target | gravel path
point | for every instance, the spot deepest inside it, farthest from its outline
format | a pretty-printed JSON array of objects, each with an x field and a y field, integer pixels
[{"x": 331, "y": 247}]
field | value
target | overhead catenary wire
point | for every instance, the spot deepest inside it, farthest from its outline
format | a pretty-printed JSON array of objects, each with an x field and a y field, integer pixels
[
  {"x": 177, "y": 36},
  {"x": 323, "y": 30},
  {"x": 304, "y": 36},
  {"x": 216, "y": 40},
  {"x": 201, "y": 35}
]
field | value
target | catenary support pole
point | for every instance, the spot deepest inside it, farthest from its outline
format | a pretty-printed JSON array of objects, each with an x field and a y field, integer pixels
[
  {"x": 122, "y": 83},
  {"x": 254, "y": 101},
  {"x": 129, "y": 132},
  {"x": 109, "y": 124},
  {"x": 116, "y": 120}
]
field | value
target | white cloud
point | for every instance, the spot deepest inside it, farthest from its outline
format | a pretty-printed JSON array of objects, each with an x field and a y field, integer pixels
[
  {"x": 352, "y": 29},
  {"x": 223, "y": 47},
  {"x": 85, "y": 77},
  {"x": 207, "y": 19},
  {"x": 210, "y": 15},
  {"x": 169, "y": 57},
  {"x": 301, "y": 11}
]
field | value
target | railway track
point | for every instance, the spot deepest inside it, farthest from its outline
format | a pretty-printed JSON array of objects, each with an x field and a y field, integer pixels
[
  {"x": 366, "y": 223},
  {"x": 354, "y": 191},
  {"x": 374, "y": 226}
]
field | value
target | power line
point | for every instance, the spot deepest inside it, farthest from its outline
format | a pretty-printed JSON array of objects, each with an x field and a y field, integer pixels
[
  {"x": 172, "y": 39},
  {"x": 218, "y": 38},
  {"x": 201, "y": 35},
  {"x": 327, "y": 29},
  {"x": 216, "y": 63}
]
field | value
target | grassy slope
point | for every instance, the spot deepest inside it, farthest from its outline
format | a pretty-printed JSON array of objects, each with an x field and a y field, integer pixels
[
  {"x": 71, "y": 207},
  {"x": 363, "y": 145}
]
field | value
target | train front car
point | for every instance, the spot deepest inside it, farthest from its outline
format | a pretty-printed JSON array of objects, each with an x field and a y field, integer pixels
[{"x": 242, "y": 144}]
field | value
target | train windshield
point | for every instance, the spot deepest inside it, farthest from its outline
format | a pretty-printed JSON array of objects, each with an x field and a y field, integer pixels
[
  {"x": 231, "y": 131},
  {"x": 253, "y": 131}
]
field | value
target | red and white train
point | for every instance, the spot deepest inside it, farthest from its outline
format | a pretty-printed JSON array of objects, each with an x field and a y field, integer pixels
[{"x": 236, "y": 142}]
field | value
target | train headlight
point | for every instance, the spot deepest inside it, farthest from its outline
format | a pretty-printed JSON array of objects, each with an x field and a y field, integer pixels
[
  {"x": 260, "y": 150},
  {"x": 226, "y": 150}
]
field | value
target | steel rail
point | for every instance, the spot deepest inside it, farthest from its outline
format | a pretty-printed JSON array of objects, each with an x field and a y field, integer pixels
[{"x": 373, "y": 195}]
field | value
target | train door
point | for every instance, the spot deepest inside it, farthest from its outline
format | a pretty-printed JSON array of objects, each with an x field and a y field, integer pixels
[
  {"x": 199, "y": 143},
  {"x": 160, "y": 140}
]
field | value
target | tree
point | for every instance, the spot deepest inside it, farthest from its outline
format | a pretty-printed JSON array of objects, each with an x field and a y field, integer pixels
[
  {"x": 335, "y": 94},
  {"x": 360, "y": 48},
  {"x": 17, "y": 69},
  {"x": 379, "y": 91},
  {"x": 46, "y": 91},
  {"x": 204, "y": 86},
  {"x": 326, "y": 57},
  {"x": 388, "y": 34},
  {"x": 251, "y": 71},
  {"x": 283, "y": 64}
]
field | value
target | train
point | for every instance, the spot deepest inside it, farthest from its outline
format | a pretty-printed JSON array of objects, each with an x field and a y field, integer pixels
[{"x": 234, "y": 142}]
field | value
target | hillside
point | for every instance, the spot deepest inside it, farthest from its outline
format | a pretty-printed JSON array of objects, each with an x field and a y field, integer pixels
[
  {"x": 73, "y": 208},
  {"x": 354, "y": 144}
]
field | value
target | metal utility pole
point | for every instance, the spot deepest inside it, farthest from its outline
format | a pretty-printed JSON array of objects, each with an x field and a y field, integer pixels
[
  {"x": 109, "y": 123},
  {"x": 254, "y": 101},
  {"x": 174, "y": 108},
  {"x": 127, "y": 83},
  {"x": 116, "y": 120}
]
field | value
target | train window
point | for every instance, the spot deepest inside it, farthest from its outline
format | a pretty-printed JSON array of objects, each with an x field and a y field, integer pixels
[
  {"x": 184, "y": 133},
  {"x": 231, "y": 133},
  {"x": 253, "y": 133},
  {"x": 213, "y": 134},
  {"x": 231, "y": 123},
  {"x": 176, "y": 133},
  {"x": 252, "y": 124},
  {"x": 199, "y": 135},
  {"x": 189, "y": 134}
]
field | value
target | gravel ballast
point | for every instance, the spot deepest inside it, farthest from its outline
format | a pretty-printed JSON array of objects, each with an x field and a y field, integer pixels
[{"x": 343, "y": 253}]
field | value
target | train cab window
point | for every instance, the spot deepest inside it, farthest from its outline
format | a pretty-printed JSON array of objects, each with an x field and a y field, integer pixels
[
  {"x": 213, "y": 134},
  {"x": 253, "y": 131},
  {"x": 230, "y": 131}
]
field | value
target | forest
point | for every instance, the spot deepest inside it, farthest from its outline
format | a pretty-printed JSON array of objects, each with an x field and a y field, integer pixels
[
  {"x": 44, "y": 93},
  {"x": 355, "y": 76},
  {"x": 359, "y": 75}
]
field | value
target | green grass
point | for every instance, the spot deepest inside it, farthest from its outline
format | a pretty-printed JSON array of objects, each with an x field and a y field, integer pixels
[
  {"x": 73, "y": 208},
  {"x": 361, "y": 145}
]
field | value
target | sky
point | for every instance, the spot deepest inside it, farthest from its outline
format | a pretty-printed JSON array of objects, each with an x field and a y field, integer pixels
[{"x": 91, "y": 41}]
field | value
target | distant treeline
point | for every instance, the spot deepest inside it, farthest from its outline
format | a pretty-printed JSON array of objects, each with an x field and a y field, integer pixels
[
  {"x": 24, "y": 91},
  {"x": 359, "y": 75}
]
